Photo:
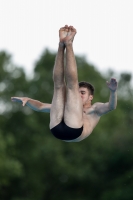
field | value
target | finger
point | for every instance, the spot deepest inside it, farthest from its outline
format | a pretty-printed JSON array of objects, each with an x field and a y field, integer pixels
[
  {"x": 113, "y": 80},
  {"x": 116, "y": 83},
  {"x": 18, "y": 100},
  {"x": 15, "y": 99},
  {"x": 107, "y": 83},
  {"x": 12, "y": 98}
]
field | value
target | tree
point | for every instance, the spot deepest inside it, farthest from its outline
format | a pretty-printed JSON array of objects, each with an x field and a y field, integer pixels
[{"x": 35, "y": 165}]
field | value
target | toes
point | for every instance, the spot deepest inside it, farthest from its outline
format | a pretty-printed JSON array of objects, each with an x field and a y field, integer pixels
[
  {"x": 72, "y": 29},
  {"x": 66, "y": 27},
  {"x": 70, "y": 26},
  {"x": 62, "y": 28}
]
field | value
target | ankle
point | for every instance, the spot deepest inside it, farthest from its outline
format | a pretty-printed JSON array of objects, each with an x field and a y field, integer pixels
[
  {"x": 62, "y": 45},
  {"x": 69, "y": 45}
]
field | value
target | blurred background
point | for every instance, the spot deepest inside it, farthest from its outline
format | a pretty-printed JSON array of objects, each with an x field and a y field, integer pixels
[{"x": 33, "y": 164}]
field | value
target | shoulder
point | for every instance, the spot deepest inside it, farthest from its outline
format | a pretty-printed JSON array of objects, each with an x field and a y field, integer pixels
[
  {"x": 93, "y": 108},
  {"x": 96, "y": 106}
]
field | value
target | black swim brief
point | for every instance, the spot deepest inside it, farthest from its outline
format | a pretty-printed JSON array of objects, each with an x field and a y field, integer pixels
[{"x": 64, "y": 132}]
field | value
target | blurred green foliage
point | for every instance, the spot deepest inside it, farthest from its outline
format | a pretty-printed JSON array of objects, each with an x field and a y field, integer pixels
[{"x": 36, "y": 166}]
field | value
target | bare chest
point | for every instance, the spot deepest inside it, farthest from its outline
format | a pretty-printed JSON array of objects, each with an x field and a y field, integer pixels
[{"x": 90, "y": 118}]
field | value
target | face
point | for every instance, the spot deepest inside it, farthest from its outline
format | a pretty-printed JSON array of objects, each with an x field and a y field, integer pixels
[{"x": 85, "y": 95}]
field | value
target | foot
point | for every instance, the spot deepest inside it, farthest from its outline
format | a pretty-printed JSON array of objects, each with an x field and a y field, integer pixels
[{"x": 66, "y": 34}]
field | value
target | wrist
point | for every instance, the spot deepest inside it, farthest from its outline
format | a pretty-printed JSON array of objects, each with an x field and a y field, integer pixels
[{"x": 113, "y": 91}]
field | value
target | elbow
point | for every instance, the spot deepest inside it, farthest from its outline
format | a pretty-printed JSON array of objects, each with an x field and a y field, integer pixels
[{"x": 113, "y": 108}]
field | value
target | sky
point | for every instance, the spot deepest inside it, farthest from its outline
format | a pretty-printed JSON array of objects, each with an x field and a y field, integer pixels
[{"x": 104, "y": 30}]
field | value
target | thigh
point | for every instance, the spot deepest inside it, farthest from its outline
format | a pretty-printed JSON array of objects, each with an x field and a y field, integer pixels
[
  {"x": 73, "y": 113},
  {"x": 57, "y": 107}
]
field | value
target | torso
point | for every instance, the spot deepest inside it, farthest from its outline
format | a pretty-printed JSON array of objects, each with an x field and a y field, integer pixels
[{"x": 90, "y": 120}]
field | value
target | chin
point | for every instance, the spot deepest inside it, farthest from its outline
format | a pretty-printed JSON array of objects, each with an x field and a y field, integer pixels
[{"x": 83, "y": 102}]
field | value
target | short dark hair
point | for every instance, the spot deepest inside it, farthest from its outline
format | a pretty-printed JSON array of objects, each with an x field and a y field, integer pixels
[{"x": 88, "y": 86}]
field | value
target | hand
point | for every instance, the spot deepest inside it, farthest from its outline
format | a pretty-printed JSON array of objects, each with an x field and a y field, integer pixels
[
  {"x": 112, "y": 85},
  {"x": 23, "y": 100}
]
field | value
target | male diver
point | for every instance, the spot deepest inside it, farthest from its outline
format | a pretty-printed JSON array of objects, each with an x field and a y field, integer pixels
[{"x": 72, "y": 116}]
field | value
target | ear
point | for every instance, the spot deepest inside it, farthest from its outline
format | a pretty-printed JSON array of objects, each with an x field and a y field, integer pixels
[{"x": 91, "y": 97}]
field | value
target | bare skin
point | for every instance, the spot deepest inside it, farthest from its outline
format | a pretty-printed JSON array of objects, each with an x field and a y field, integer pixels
[{"x": 71, "y": 103}]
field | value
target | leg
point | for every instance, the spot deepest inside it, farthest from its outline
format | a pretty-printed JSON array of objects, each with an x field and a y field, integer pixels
[
  {"x": 57, "y": 108},
  {"x": 73, "y": 113}
]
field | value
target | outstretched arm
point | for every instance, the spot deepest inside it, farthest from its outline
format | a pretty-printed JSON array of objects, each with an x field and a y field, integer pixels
[
  {"x": 33, "y": 104},
  {"x": 103, "y": 108}
]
